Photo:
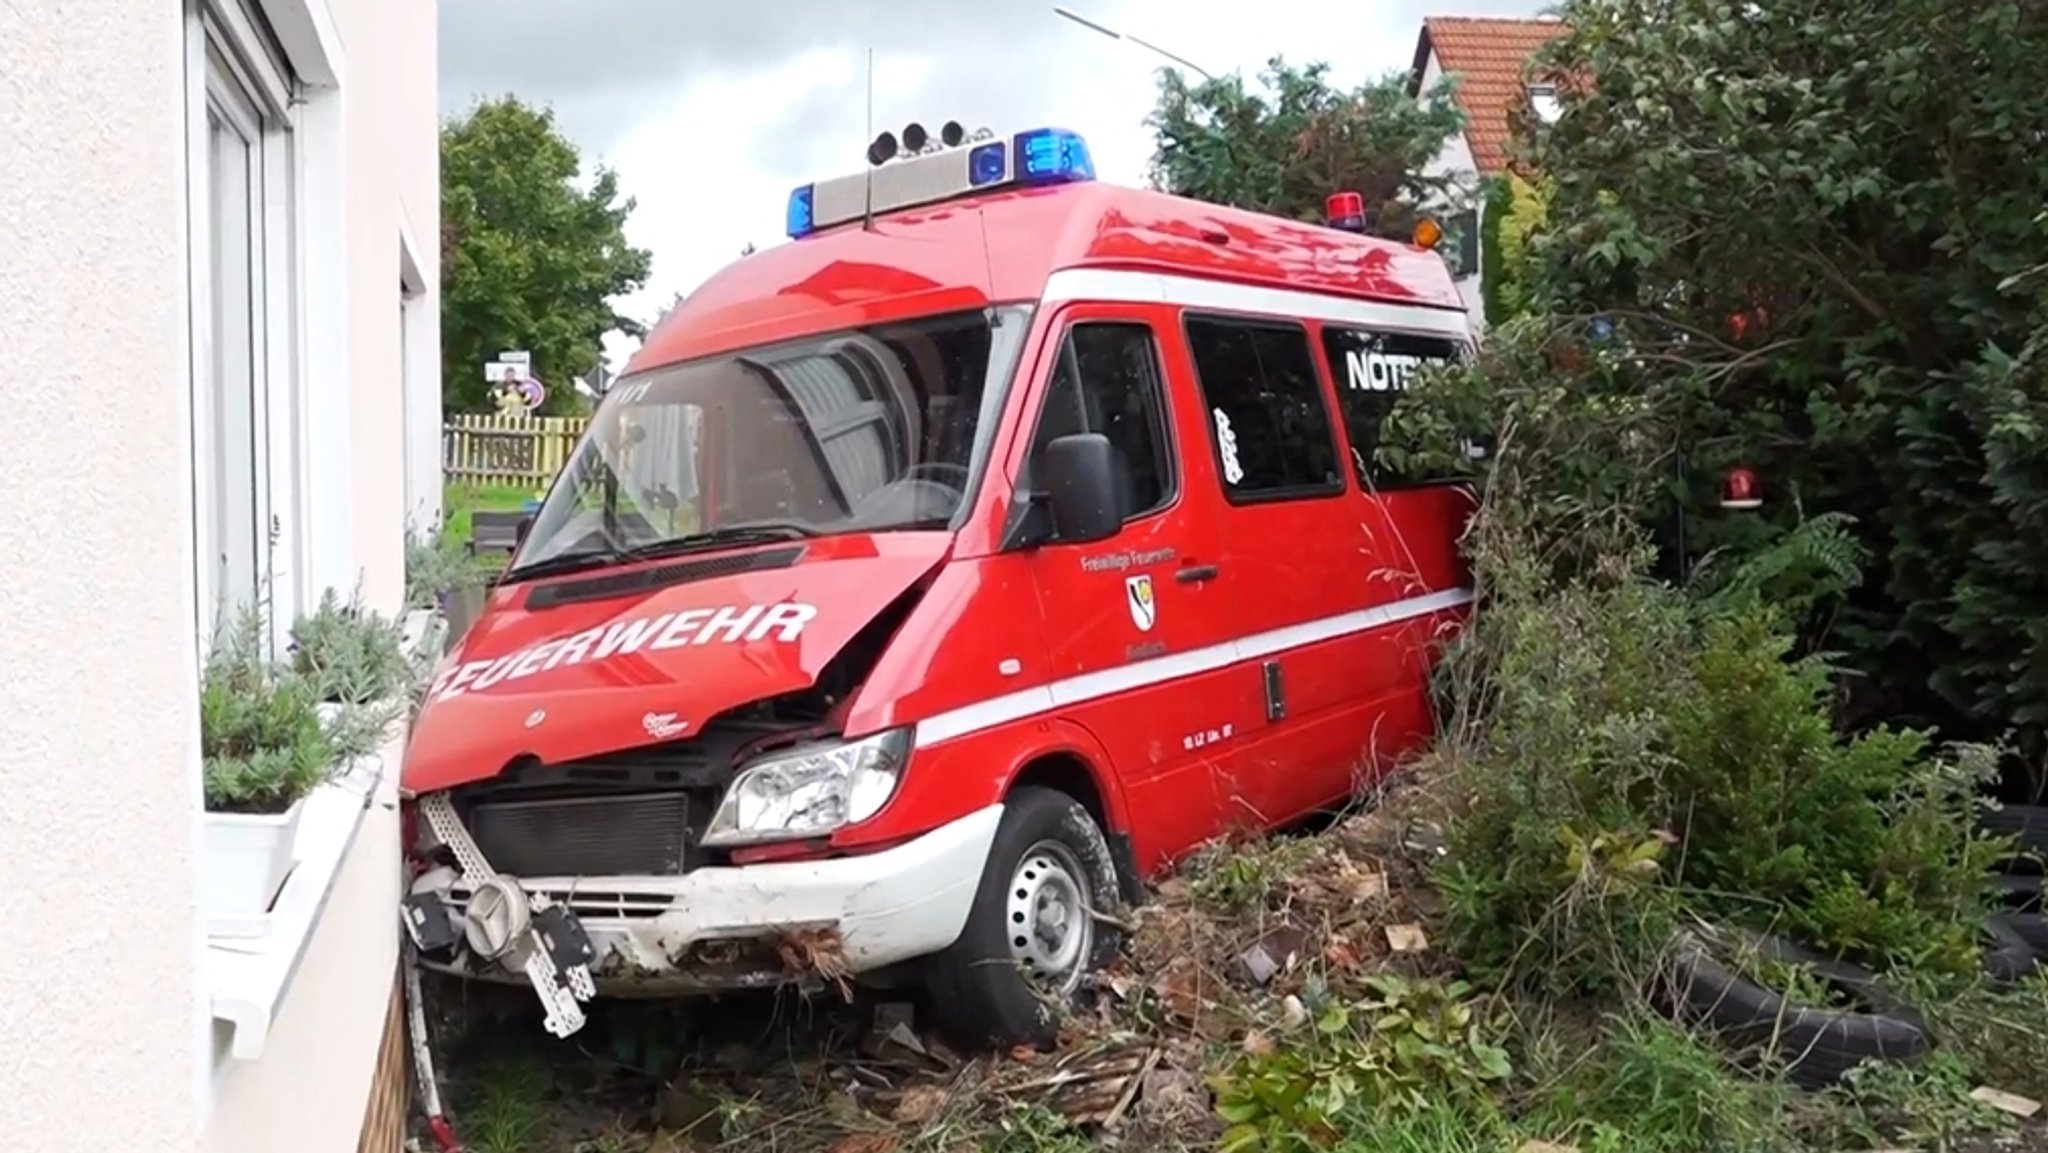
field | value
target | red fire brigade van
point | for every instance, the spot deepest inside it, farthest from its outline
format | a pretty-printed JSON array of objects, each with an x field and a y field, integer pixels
[{"x": 928, "y": 582}]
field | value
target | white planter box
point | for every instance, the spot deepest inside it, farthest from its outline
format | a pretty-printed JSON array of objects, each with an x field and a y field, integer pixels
[{"x": 244, "y": 859}]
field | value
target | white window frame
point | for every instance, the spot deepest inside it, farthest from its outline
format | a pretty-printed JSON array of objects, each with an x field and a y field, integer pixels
[
  {"x": 1544, "y": 101},
  {"x": 419, "y": 360},
  {"x": 237, "y": 73}
]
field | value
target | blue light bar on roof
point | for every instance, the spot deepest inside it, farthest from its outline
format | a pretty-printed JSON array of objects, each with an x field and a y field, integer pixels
[
  {"x": 1052, "y": 156},
  {"x": 1038, "y": 158},
  {"x": 799, "y": 219}
]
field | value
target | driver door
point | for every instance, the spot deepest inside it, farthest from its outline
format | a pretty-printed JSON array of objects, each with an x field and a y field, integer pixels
[{"x": 1132, "y": 621}]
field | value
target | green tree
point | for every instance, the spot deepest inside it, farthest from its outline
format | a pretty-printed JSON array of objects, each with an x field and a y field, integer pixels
[
  {"x": 528, "y": 260},
  {"x": 1285, "y": 149},
  {"x": 1826, "y": 217},
  {"x": 1515, "y": 211}
]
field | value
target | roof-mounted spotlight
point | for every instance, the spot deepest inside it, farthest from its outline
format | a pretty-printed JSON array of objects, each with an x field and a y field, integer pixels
[
  {"x": 915, "y": 137},
  {"x": 882, "y": 150},
  {"x": 952, "y": 134}
]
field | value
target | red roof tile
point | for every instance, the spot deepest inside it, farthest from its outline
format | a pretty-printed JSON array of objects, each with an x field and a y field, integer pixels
[{"x": 1488, "y": 56}]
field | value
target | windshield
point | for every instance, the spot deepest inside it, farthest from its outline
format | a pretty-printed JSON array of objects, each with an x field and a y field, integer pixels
[{"x": 866, "y": 430}]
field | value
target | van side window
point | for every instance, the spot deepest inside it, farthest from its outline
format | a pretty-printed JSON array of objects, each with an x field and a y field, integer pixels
[
  {"x": 1107, "y": 380},
  {"x": 1267, "y": 416},
  {"x": 1372, "y": 371}
]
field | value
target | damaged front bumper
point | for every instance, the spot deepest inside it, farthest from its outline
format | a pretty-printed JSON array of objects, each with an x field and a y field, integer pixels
[{"x": 739, "y": 927}]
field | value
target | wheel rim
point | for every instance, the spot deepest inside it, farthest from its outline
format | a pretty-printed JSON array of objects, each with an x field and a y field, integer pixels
[{"x": 1047, "y": 919}]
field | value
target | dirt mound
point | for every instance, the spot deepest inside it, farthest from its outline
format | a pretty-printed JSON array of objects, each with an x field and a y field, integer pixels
[{"x": 1222, "y": 959}]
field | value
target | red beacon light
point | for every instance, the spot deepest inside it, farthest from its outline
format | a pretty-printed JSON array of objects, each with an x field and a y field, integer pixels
[
  {"x": 1345, "y": 210},
  {"x": 1740, "y": 489}
]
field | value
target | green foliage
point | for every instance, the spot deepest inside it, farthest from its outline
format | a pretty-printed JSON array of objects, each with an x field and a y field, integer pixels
[
  {"x": 1649, "y": 1086},
  {"x": 1620, "y": 719},
  {"x": 1515, "y": 212},
  {"x": 271, "y": 731},
  {"x": 1600, "y": 712},
  {"x": 436, "y": 566},
  {"x": 1866, "y": 846},
  {"x": 1926, "y": 1105},
  {"x": 505, "y": 1106},
  {"x": 262, "y": 741},
  {"x": 1406, "y": 1048},
  {"x": 528, "y": 260},
  {"x": 1818, "y": 562},
  {"x": 1863, "y": 185},
  {"x": 351, "y": 654},
  {"x": 1284, "y": 150},
  {"x": 1496, "y": 200}
]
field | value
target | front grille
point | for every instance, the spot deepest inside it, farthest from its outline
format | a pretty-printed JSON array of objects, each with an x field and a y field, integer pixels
[
  {"x": 589, "y": 903},
  {"x": 633, "y": 834}
]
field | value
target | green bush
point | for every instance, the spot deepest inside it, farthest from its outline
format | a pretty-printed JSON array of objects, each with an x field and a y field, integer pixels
[
  {"x": 1819, "y": 171},
  {"x": 1640, "y": 755},
  {"x": 1866, "y": 846}
]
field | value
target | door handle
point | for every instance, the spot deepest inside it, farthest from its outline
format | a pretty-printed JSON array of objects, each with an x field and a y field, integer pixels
[{"x": 1195, "y": 573}]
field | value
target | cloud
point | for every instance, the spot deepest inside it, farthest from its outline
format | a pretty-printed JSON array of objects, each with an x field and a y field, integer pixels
[
  {"x": 711, "y": 112},
  {"x": 606, "y": 63}
]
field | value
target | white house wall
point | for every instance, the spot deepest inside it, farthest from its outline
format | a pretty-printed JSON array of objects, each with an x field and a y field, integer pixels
[
  {"x": 308, "y": 1091},
  {"x": 394, "y": 195},
  {"x": 1455, "y": 160},
  {"x": 98, "y": 721},
  {"x": 106, "y": 1028},
  {"x": 380, "y": 189}
]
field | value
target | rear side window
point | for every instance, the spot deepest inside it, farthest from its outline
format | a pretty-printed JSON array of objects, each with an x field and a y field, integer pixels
[
  {"x": 1107, "y": 381},
  {"x": 1266, "y": 413},
  {"x": 1373, "y": 371}
]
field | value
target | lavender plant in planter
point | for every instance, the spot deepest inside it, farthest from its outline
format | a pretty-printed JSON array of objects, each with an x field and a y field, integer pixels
[
  {"x": 265, "y": 746},
  {"x": 364, "y": 668}
]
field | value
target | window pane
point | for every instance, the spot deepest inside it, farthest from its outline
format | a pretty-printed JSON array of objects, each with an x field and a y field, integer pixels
[
  {"x": 235, "y": 544},
  {"x": 1266, "y": 409},
  {"x": 1107, "y": 381},
  {"x": 1372, "y": 370}
]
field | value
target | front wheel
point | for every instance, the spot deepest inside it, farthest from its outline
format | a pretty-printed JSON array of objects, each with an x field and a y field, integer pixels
[{"x": 1034, "y": 933}]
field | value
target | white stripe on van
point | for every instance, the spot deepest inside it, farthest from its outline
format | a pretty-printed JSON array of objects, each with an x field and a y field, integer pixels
[
  {"x": 1124, "y": 286},
  {"x": 1072, "y": 691}
]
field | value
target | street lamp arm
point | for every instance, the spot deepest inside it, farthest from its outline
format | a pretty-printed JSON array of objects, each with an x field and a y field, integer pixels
[
  {"x": 1113, "y": 34},
  {"x": 1184, "y": 62},
  {"x": 1084, "y": 22}
]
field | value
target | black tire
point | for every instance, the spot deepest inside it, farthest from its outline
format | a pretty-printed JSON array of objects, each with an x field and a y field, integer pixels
[
  {"x": 2031, "y": 928},
  {"x": 979, "y": 991},
  {"x": 2027, "y": 823},
  {"x": 2019, "y": 894},
  {"x": 2008, "y": 956},
  {"x": 1815, "y": 1045},
  {"x": 2024, "y": 912}
]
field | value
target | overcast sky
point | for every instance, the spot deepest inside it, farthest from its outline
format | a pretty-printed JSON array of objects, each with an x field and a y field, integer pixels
[{"x": 712, "y": 110}]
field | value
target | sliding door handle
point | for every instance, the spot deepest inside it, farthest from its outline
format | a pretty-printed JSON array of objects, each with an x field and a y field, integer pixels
[{"x": 1195, "y": 573}]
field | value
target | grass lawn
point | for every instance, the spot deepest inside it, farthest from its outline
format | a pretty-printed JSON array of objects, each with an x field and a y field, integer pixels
[{"x": 459, "y": 500}]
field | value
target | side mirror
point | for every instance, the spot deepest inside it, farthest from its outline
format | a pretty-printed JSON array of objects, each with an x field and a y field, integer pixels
[
  {"x": 1079, "y": 483},
  {"x": 520, "y": 530}
]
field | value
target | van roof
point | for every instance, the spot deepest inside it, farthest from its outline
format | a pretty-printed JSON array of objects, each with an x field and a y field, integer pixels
[{"x": 1003, "y": 246}]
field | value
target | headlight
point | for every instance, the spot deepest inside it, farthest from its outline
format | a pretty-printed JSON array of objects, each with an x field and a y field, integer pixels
[{"x": 810, "y": 790}]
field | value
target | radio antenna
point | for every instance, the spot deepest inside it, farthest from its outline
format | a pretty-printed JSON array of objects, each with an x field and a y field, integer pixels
[{"x": 868, "y": 209}]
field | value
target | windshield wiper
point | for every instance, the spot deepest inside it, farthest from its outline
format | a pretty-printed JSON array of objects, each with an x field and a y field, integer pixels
[
  {"x": 755, "y": 533},
  {"x": 563, "y": 563}
]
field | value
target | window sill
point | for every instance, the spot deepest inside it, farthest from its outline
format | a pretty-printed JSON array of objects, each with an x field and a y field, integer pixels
[{"x": 246, "y": 981}]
